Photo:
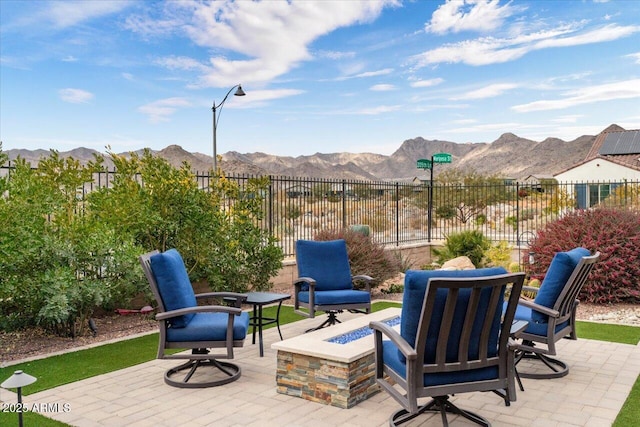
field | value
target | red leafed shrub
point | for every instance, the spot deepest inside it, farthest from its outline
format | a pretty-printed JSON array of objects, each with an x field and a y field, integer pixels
[
  {"x": 615, "y": 233},
  {"x": 365, "y": 255}
]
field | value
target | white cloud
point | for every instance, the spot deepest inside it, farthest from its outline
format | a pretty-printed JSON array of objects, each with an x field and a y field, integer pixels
[
  {"x": 75, "y": 96},
  {"x": 427, "y": 83},
  {"x": 285, "y": 29},
  {"x": 382, "y": 72},
  {"x": 468, "y": 15},
  {"x": 490, "y": 91},
  {"x": 66, "y": 14},
  {"x": 70, "y": 58},
  {"x": 181, "y": 63},
  {"x": 492, "y": 50},
  {"x": 159, "y": 111},
  {"x": 382, "y": 87},
  {"x": 635, "y": 57},
  {"x": 381, "y": 109},
  {"x": 626, "y": 89},
  {"x": 571, "y": 118}
]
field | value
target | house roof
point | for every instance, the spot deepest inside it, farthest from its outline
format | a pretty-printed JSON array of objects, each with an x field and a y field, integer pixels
[{"x": 618, "y": 146}]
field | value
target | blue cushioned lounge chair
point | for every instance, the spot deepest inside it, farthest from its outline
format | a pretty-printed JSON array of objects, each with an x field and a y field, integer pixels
[
  {"x": 325, "y": 283},
  {"x": 552, "y": 314},
  {"x": 454, "y": 338},
  {"x": 186, "y": 325}
]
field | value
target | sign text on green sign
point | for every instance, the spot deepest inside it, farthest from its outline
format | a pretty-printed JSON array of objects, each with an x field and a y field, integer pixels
[
  {"x": 424, "y": 164},
  {"x": 442, "y": 158}
]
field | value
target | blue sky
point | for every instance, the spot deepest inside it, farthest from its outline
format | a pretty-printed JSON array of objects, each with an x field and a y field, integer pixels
[{"x": 319, "y": 76}]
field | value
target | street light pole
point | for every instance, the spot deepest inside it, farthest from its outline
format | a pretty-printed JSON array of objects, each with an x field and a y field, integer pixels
[{"x": 217, "y": 109}]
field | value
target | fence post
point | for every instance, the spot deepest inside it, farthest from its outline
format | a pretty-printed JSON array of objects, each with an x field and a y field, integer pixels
[
  {"x": 344, "y": 203},
  {"x": 397, "y": 214},
  {"x": 270, "y": 202}
]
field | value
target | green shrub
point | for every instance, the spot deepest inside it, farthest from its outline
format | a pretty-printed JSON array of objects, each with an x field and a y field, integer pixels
[
  {"x": 215, "y": 231},
  {"x": 365, "y": 256},
  {"x": 499, "y": 255},
  {"x": 481, "y": 219},
  {"x": 471, "y": 243},
  {"x": 63, "y": 254},
  {"x": 615, "y": 233},
  {"x": 57, "y": 264}
]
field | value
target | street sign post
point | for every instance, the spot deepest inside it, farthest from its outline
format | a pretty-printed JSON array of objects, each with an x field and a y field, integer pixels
[{"x": 429, "y": 164}]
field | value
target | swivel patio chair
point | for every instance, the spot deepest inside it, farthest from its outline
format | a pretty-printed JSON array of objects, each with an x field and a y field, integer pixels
[
  {"x": 454, "y": 338},
  {"x": 552, "y": 314},
  {"x": 186, "y": 325},
  {"x": 325, "y": 283}
]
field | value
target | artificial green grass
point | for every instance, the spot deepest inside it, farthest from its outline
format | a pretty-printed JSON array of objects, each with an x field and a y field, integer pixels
[
  {"x": 70, "y": 367},
  {"x": 630, "y": 412},
  {"x": 30, "y": 419},
  {"x": 622, "y": 334}
]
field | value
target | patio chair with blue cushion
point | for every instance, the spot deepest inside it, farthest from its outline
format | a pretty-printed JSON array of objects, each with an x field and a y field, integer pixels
[
  {"x": 186, "y": 325},
  {"x": 552, "y": 314},
  {"x": 454, "y": 338},
  {"x": 325, "y": 283}
]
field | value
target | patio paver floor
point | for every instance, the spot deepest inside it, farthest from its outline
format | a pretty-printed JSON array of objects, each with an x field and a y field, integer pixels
[{"x": 593, "y": 393}]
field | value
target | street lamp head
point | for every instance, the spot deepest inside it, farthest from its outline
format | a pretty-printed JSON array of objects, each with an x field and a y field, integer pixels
[{"x": 239, "y": 92}]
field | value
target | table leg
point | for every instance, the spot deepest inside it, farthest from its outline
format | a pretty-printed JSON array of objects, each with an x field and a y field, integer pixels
[
  {"x": 278, "y": 319},
  {"x": 260, "y": 330},
  {"x": 253, "y": 337}
]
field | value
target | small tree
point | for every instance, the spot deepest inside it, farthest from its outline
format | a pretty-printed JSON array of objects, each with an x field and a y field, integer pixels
[{"x": 469, "y": 192}]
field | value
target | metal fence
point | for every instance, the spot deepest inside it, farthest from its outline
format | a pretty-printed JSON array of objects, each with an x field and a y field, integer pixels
[{"x": 397, "y": 213}]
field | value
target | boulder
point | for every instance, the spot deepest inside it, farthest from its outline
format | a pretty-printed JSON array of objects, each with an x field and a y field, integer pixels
[{"x": 459, "y": 263}]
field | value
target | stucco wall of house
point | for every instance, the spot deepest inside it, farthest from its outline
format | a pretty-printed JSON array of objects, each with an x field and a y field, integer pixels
[{"x": 599, "y": 170}]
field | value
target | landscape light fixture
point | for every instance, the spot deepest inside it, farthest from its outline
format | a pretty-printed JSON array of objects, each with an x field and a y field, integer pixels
[
  {"x": 18, "y": 380},
  {"x": 217, "y": 109}
]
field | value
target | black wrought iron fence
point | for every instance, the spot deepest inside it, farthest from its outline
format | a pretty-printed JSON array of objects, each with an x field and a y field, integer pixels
[{"x": 397, "y": 212}]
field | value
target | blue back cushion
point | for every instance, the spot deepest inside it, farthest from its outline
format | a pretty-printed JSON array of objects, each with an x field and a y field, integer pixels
[
  {"x": 415, "y": 285},
  {"x": 562, "y": 265},
  {"x": 174, "y": 285},
  {"x": 325, "y": 262}
]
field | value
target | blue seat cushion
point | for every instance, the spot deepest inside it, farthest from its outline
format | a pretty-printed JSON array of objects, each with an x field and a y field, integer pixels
[
  {"x": 210, "y": 327},
  {"x": 174, "y": 285},
  {"x": 415, "y": 285},
  {"x": 562, "y": 265},
  {"x": 534, "y": 327},
  {"x": 336, "y": 297},
  {"x": 396, "y": 361},
  {"x": 327, "y": 262}
]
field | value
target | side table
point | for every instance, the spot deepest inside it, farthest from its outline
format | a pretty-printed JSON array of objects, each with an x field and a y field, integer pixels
[{"x": 258, "y": 321}]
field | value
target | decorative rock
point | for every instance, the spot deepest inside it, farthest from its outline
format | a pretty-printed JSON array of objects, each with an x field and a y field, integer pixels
[{"x": 459, "y": 263}]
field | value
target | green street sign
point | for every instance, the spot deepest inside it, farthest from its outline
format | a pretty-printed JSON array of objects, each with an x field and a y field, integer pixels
[
  {"x": 424, "y": 164},
  {"x": 442, "y": 158}
]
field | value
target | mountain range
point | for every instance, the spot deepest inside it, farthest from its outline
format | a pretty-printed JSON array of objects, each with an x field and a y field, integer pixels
[{"x": 509, "y": 156}]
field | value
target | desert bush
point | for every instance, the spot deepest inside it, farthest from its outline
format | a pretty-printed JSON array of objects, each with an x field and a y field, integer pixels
[
  {"x": 613, "y": 232},
  {"x": 498, "y": 255},
  {"x": 471, "y": 243},
  {"x": 365, "y": 255}
]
